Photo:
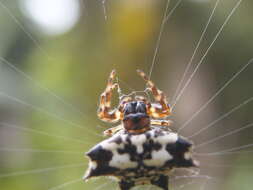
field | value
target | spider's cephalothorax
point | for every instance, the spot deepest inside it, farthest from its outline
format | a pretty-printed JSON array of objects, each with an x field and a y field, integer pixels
[
  {"x": 141, "y": 150},
  {"x": 136, "y": 118}
]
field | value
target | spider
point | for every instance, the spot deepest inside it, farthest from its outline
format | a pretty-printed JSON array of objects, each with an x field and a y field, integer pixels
[
  {"x": 142, "y": 149},
  {"x": 135, "y": 114}
]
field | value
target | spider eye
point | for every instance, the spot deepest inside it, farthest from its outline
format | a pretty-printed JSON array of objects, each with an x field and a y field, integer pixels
[{"x": 141, "y": 107}]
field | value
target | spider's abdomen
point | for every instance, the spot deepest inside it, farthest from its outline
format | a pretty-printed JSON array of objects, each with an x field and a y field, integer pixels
[{"x": 140, "y": 158}]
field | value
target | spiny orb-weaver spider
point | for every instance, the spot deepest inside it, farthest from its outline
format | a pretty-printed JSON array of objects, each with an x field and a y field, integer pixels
[{"x": 142, "y": 149}]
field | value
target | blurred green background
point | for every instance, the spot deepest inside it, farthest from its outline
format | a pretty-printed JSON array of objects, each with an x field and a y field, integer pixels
[{"x": 55, "y": 57}]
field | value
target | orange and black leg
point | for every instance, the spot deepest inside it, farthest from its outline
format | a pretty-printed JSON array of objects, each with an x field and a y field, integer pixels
[
  {"x": 105, "y": 112},
  {"x": 111, "y": 131},
  {"x": 161, "y": 108},
  {"x": 165, "y": 123}
]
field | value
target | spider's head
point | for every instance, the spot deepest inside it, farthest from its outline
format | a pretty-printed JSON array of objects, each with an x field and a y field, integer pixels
[{"x": 135, "y": 118}]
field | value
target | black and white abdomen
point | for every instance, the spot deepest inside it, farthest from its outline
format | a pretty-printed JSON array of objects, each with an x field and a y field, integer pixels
[{"x": 140, "y": 158}]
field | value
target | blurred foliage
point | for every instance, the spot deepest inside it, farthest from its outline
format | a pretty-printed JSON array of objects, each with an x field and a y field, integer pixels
[{"x": 61, "y": 78}]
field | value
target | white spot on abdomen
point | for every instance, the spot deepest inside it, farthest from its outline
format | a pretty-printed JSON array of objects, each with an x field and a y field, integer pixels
[
  {"x": 138, "y": 141},
  {"x": 167, "y": 139},
  {"x": 122, "y": 161},
  {"x": 159, "y": 158},
  {"x": 187, "y": 155}
]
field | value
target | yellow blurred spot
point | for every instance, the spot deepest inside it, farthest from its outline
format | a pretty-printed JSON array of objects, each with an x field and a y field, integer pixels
[{"x": 133, "y": 23}]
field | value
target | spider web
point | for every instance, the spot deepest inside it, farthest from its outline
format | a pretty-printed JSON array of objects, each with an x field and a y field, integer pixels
[{"x": 220, "y": 128}]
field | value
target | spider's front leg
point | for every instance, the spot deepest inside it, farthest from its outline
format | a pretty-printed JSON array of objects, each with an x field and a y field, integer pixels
[
  {"x": 164, "y": 123},
  {"x": 109, "y": 132},
  {"x": 105, "y": 112},
  {"x": 161, "y": 109}
]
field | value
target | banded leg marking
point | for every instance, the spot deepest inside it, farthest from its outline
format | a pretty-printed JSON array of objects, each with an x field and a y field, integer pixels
[
  {"x": 105, "y": 112},
  {"x": 161, "y": 108}
]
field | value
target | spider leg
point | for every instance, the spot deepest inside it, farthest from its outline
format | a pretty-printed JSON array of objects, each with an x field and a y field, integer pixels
[
  {"x": 105, "y": 111},
  {"x": 161, "y": 108},
  {"x": 109, "y": 132},
  {"x": 165, "y": 123}
]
